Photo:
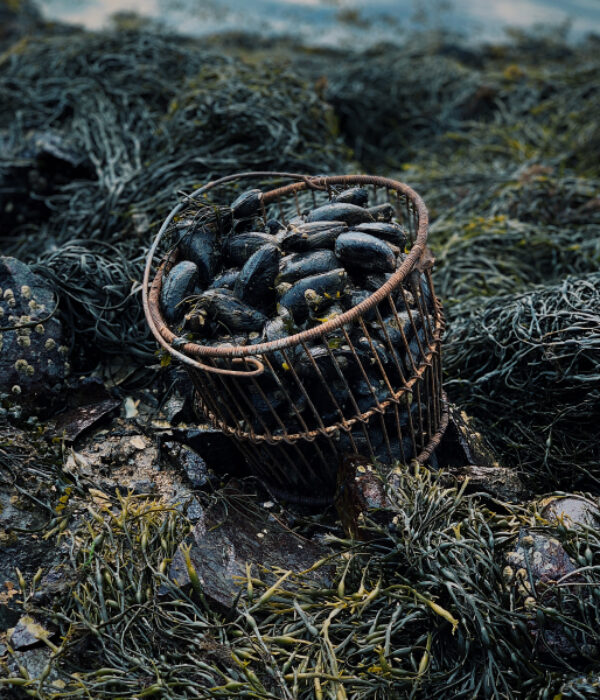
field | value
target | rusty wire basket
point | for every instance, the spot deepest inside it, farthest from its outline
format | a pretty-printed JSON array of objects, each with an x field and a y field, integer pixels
[{"x": 323, "y": 411}]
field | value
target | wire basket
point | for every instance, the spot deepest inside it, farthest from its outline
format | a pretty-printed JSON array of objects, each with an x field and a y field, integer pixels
[{"x": 297, "y": 405}]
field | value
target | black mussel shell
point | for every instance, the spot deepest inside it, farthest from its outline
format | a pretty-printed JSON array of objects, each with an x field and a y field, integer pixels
[
  {"x": 390, "y": 232},
  {"x": 382, "y": 212},
  {"x": 200, "y": 245},
  {"x": 274, "y": 226},
  {"x": 311, "y": 236},
  {"x": 247, "y": 204},
  {"x": 239, "y": 247},
  {"x": 348, "y": 213},
  {"x": 327, "y": 284},
  {"x": 355, "y": 195},
  {"x": 255, "y": 284},
  {"x": 225, "y": 279},
  {"x": 233, "y": 314},
  {"x": 179, "y": 283},
  {"x": 363, "y": 251},
  {"x": 297, "y": 265}
]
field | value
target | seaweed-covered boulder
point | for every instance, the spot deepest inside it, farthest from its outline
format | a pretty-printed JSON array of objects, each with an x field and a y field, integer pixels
[{"x": 33, "y": 358}]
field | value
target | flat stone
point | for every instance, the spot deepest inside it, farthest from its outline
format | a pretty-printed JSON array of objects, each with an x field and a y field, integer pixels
[
  {"x": 88, "y": 402},
  {"x": 27, "y": 633},
  {"x": 501, "y": 482},
  {"x": 572, "y": 511},
  {"x": 237, "y": 531},
  {"x": 532, "y": 568},
  {"x": 543, "y": 556}
]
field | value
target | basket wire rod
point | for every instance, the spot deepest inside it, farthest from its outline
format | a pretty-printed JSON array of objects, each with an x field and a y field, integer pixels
[
  {"x": 325, "y": 383},
  {"x": 399, "y": 431},
  {"x": 233, "y": 404},
  {"x": 423, "y": 315},
  {"x": 283, "y": 389},
  {"x": 362, "y": 369},
  {"x": 420, "y": 413},
  {"x": 241, "y": 413},
  {"x": 303, "y": 475},
  {"x": 406, "y": 348},
  {"x": 392, "y": 349},
  {"x": 272, "y": 410},
  {"x": 376, "y": 357},
  {"x": 343, "y": 379},
  {"x": 411, "y": 427},
  {"x": 302, "y": 388},
  {"x": 414, "y": 329},
  {"x": 267, "y": 434},
  {"x": 207, "y": 388}
]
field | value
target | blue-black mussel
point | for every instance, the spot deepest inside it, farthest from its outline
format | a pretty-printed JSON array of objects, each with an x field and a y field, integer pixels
[
  {"x": 255, "y": 284},
  {"x": 179, "y": 284}
]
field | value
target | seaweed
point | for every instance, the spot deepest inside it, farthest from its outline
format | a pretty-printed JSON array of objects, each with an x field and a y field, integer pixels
[
  {"x": 528, "y": 365},
  {"x": 423, "y": 608}
]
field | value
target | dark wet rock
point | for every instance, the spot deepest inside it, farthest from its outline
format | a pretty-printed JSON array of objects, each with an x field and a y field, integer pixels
[
  {"x": 88, "y": 403},
  {"x": 185, "y": 459},
  {"x": 571, "y": 510},
  {"x": 231, "y": 534},
  {"x": 361, "y": 489},
  {"x": 532, "y": 570},
  {"x": 543, "y": 556},
  {"x": 35, "y": 662},
  {"x": 33, "y": 359},
  {"x": 500, "y": 482},
  {"x": 462, "y": 444}
]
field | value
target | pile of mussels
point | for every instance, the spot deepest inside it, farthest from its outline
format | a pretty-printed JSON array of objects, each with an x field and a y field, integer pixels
[{"x": 245, "y": 279}]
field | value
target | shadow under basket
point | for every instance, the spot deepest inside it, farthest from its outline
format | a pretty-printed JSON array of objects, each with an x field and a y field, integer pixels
[{"x": 367, "y": 382}]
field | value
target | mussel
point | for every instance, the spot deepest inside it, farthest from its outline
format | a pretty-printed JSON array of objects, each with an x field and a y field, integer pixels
[
  {"x": 340, "y": 211},
  {"x": 363, "y": 251},
  {"x": 255, "y": 283},
  {"x": 179, "y": 283}
]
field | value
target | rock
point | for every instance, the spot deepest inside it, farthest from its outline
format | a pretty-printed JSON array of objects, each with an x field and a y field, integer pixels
[
  {"x": 461, "y": 444},
  {"x": 33, "y": 358},
  {"x": 532, "y": 570},
  {"x": 236, "y": 531},
  {"x": 35, "y": 662},
  {"x": 88, "y": 402},
  {"x": 571, "y": 510},
  {"x": 27, "y": 633},
  {"x": 500, "y": 482},
  {"x": 182, "y": 457},
  {"x": 544, "y": 557}
]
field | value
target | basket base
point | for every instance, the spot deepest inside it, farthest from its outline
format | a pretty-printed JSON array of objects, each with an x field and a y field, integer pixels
[{"x": 305, "y": 472}]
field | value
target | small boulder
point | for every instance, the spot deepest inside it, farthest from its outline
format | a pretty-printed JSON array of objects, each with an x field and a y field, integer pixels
[{"x": 33, "y": 357}]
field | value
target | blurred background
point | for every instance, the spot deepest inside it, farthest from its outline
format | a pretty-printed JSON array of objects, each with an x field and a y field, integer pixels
[{"x": 336, "y": 22}]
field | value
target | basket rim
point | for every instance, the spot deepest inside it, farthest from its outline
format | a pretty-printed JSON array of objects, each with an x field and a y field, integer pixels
[{"x": 186, "y": 351}]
